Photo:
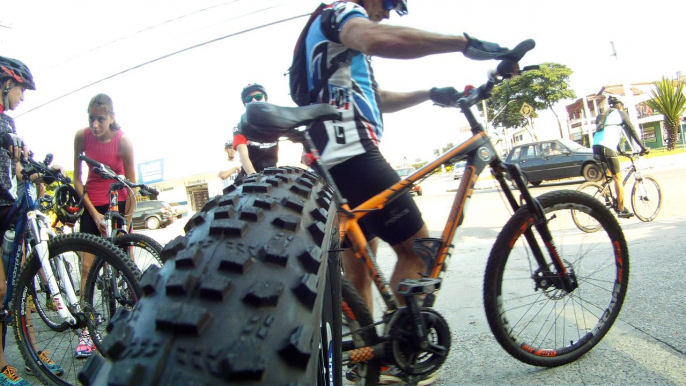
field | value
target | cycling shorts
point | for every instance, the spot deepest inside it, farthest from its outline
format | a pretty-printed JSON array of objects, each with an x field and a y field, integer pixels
[
  {"x": 87, "y": 224},
  {"x": 608, "y": 156},
  {"x": 366, "y": 175}
]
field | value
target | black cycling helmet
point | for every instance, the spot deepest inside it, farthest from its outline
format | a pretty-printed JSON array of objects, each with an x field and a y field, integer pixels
[
  {"x": 614, "y": 101},
  {"x": 68, "y": 204},
  {"x": 228, "y": 144},
  {"x": 17, "y": 70},
  {"x": 251, "y": 88}
]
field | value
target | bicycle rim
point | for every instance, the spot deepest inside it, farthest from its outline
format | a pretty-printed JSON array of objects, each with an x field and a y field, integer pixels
[
  {"x": 583, "y": 220},
  {"x": 536, "y": 322},
  {"x": 109, "y": 287},
  {"x": 646, "y": 199},
  {"x": 141, "y": 249},
  {"x": 44, "y": 331}
]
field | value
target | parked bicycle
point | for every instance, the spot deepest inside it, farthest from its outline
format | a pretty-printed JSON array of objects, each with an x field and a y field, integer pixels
[
  {"x": 142, "y": 249},
  {"x": 646, "y": 195},
  {"x": 253, "y": 294},
  {"x": 51, "y": 273}
]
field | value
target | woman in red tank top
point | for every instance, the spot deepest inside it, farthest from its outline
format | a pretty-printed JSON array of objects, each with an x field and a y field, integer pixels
[{"x": 104, "y": 142}]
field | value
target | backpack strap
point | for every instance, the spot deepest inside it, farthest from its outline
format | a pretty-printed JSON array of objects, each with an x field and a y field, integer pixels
[{"x": 343, "y": 59}]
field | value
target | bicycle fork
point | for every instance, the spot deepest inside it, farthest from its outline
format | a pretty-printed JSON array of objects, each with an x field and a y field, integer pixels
[{"x": 42, "y": 250}]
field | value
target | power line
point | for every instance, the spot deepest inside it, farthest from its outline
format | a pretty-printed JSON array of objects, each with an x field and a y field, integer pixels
[
  {"x": 143, "y": 30},
  {"x": 164, "y": 57}
]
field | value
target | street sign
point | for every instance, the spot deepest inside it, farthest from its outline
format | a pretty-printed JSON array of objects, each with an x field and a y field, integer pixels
[{"x": 526, "y": 110}]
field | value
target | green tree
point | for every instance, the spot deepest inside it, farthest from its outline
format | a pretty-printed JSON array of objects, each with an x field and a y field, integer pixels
[
  {"x": 438, "y": 152},
  {"x": 541, "y": 89},
  {"x": 668, "y": 99}
]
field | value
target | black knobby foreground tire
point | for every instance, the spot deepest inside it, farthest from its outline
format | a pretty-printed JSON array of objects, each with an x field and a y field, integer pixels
[
  {"x": 646, "y": 199},
  {"x": 533, "y": 320},
  {"x": 238, "y": 299},
  {"x": 359, "y": 332},
  {"x": 142, "y": 249},
  {"x": 41, "y": 333}
]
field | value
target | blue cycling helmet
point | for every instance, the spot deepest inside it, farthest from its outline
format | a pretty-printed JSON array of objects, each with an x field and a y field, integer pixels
[
  {"x": 17, "y": 70},
  {"x": 399, "y": 6}
]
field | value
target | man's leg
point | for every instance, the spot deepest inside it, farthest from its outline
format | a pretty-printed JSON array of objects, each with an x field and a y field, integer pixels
[
  {"x": 409, "y": 265},
  {"x": 357, "y": 272},
  {"x": 619, "y": 188}
]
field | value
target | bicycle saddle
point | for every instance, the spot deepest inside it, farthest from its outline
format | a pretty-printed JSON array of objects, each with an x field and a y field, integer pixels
[{"x": 270, "y": 122}]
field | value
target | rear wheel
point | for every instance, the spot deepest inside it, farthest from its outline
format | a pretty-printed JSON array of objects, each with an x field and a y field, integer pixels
[
  {"x": 238, "y": 300},
  {"x": 48, "y": 337},
  {"x": 530, "y": 313},
  {"x": 585, "y": 221},
  {"x": 646, "y": 199}
]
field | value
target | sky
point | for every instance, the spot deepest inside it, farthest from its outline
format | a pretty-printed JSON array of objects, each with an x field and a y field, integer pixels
[{"x": 175, "y": 69}]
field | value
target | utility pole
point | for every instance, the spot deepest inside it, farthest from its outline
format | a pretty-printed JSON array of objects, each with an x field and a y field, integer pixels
[{"x": 628, "y": 93}]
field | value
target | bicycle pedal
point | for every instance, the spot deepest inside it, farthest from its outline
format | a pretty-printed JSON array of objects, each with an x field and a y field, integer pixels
[{"x": 410, "y": 287}]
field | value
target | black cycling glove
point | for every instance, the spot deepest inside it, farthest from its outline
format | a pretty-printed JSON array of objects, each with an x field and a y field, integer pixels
[
  {"x": 7, "y": 140},
  {"x": 444, "y": 96},
  {"x": 480, "y": 50}
]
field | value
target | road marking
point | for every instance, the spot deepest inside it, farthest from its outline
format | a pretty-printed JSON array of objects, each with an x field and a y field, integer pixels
[{"x": 653, "y": 355}]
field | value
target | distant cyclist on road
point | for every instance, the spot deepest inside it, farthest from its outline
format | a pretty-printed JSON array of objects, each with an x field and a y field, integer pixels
[
  {"x": 349, "y": 148},
  {"x": 606, "y": 145},
  {"x": 256, "y": 154}
]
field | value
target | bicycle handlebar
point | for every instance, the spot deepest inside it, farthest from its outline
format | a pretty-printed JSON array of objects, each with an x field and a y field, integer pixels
[
  {"x": 505, "y": 69},
  {"x": 106, "y": 172},
  {"x": 32, "y": 166}
]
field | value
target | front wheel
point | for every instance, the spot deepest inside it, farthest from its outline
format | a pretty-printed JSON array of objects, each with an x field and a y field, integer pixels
[
  {"x": 646, "y": 199},
  {"x": 239, "y": 298},
  {"x": 531, "y": 314},
  {"x": 46, "y": 342},
  {"x": 143, "y": 250}
]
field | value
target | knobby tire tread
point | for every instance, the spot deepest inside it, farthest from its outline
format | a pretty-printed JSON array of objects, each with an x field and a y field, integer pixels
[
  {"x": 80, "y": 242},
  {"x": 238, "y": 300}
]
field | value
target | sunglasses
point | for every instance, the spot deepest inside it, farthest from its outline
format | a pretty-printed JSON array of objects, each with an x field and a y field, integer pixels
[
  {"x": 399, "y": 6},
  {"x": 249, "y": 98}
]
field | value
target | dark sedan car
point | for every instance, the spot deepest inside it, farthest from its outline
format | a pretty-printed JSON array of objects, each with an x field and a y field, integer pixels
[
  {"x": 555, "y": 159},
  {"x": 152, "y": 214}
]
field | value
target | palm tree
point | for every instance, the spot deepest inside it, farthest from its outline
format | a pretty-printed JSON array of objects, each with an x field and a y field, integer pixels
[{"x": 669, "y": 100}]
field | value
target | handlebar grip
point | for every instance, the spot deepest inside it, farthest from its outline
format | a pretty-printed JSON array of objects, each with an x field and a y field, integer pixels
[
  {"x": 88, "y": 160},
  {"x": 509, "y": 66}
]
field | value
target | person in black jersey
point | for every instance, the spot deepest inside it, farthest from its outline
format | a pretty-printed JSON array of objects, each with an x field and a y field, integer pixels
[{"x": 255, "y": 155}]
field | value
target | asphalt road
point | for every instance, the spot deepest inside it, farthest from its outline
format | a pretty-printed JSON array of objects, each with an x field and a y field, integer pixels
[{"x": 647, "y": 345}]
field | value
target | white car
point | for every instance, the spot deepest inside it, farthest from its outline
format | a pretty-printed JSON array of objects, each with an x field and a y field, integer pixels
[{"x": 458, "y": 169}]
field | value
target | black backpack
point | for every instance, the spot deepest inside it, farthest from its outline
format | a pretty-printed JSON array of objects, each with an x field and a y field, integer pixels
[
  {"x": 600, "y": 120},
  {"x": 297, "y": 73}
]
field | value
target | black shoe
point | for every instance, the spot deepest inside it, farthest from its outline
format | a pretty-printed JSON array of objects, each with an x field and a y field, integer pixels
[{"x": 625, "y": 214}]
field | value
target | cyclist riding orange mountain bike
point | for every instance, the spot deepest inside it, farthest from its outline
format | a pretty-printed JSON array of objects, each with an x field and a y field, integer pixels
[{"x": 606, "y": 145}]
